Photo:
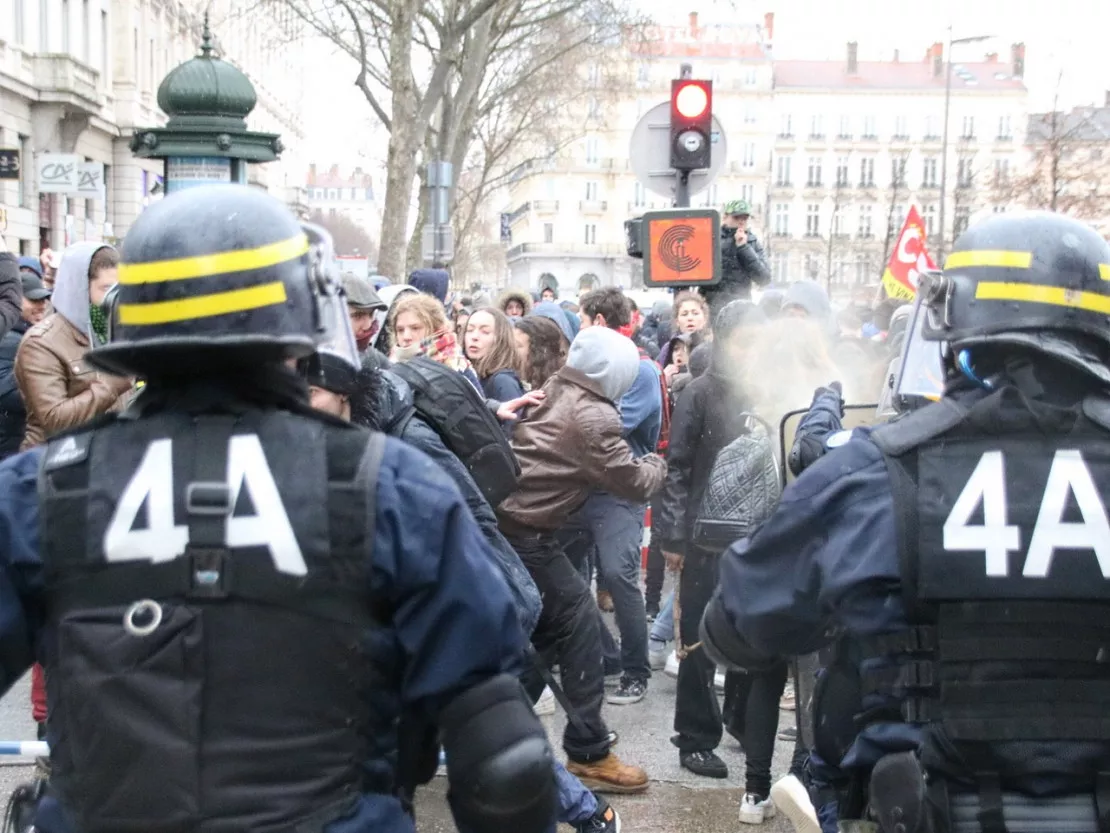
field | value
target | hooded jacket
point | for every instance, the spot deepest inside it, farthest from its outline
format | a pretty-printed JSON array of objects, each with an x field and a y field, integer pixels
[
  {"x": 432, "y": 282},
  {"x": 60, "y": 389},
  {"x": 11, "y": 292},
  {"x": 515, "y": 295},
  {"x": 571, "y": 444}
]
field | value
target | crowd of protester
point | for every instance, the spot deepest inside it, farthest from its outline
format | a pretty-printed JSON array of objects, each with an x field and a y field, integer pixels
[{"x": 598, "y": 410}]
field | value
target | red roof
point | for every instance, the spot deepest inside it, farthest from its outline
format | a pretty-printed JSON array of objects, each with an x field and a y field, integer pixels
[
  {"x": 332, "y": 178},
  {"x": 889, "y": 75}
]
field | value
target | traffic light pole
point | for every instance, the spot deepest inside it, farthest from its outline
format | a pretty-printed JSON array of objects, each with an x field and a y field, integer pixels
[{"x": 682, "y": 189}]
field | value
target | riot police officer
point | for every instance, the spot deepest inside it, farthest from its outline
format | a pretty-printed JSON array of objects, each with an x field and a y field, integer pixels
[
  {"x": 234, "y": 594},
  {"x": 958, "y": 559}
]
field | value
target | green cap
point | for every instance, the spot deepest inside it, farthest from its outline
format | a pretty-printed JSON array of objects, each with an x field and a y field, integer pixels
[{"x": 738, "y": 207}]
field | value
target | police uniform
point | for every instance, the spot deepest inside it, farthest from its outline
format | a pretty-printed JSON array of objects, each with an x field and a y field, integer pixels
[
  {"x": 234, "y": 595},
  {"x": 955, "y": 564}
]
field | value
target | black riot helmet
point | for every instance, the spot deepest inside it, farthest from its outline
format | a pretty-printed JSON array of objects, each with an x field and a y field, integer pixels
[
  {"x": 1031, "y": 280},
  {"x": 220, "y": 277}
]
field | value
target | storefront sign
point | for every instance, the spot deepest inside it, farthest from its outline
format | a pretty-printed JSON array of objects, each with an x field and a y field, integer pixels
[
  {"x": 90, "y": 181},
  {"x": 190, "y": 171},
  {"x": 58, "y": 173},
  {"x": 11, "y": 166}
]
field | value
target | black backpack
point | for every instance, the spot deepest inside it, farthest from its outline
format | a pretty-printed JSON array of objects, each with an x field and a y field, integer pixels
[
  {"x": 459, "y": 414},
  {"x": 743, "y": 488}
]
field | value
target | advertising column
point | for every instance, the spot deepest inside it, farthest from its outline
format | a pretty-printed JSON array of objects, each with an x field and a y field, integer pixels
[{"x": 190, "y": 171}]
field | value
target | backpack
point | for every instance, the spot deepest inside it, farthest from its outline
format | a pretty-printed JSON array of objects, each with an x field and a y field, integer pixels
[
  {"x": 458, "y": 413},
  {"x": 665, "y": 396},
  {"x": 743, "y": 488}
]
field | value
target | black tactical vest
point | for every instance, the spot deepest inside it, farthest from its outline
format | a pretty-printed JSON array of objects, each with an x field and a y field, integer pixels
[
  {"x": 1005, "y": 569},
  {"x": 209, "y": 608}
]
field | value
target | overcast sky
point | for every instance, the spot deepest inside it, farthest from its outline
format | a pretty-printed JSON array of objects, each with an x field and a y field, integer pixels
[{"x": 1062, "y": 36}]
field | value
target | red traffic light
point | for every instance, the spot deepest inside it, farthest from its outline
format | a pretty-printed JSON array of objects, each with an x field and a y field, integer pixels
[{"x": 691, "y": 100}]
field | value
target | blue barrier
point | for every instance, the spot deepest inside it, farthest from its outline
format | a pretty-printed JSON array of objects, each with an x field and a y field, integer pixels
[{"x": 25, "y": 748}]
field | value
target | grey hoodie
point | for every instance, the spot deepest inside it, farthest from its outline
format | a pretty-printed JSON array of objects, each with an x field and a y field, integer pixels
[
  {"x": 607, "y": 358},
  {"x": 71, "y": 285}
]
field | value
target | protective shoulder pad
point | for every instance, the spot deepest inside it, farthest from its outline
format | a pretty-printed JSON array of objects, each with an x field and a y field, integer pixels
[
  {"x": 897, "y": 437},
  {"x": 1097, "y": 409}
]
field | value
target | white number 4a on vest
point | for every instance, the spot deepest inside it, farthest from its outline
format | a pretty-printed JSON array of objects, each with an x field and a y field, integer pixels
[
  {"x": 996, "y": 538},
  {"x": 163, "y": 540}
]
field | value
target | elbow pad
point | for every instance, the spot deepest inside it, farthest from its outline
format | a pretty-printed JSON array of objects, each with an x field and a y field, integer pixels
[
  {"x": 725, "y": 646},
  {"x": 500, "y": 769}
]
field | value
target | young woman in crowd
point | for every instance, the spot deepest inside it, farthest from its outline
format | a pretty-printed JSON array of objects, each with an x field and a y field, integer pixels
[
  {"x": 541, "y": 349},
  {"x": 419, "y": 327},
  {"x": 491, "y": 348}
]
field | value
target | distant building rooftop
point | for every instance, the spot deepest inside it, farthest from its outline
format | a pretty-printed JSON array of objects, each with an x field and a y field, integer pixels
[
  {"x": 888, "y": 75},
  {"x": 1083, "y": 124},
  {"x": 332, "y": 178}
]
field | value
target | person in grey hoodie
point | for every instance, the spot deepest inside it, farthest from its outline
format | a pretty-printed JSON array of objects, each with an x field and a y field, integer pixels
[{"x": 60, "y": 390}]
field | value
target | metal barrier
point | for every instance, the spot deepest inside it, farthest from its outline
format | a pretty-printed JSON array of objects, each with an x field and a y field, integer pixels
[{"x": 25, "y": 748}]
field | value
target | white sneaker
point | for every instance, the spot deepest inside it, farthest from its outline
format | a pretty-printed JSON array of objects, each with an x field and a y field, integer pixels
[
  {"x": 756, "y": 811},
  {"x": 546, "y": 704},
  {"x": 670, "y": 667},
  {"x": 657, "y": 654},
  {"x": 790, "y": 795}
]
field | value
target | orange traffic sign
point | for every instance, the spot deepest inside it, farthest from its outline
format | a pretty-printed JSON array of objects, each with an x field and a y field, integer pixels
[{"x": 682, "y": 247}]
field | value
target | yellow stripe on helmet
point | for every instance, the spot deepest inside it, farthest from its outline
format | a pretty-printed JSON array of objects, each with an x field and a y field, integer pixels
[
  {"x": 218, "y": 263},
  {"x": 989, "y": 257},
  {"x": 1057, "y": 296},
  {"x": 1104, "y": 271},
  {"x": 203, "y": 306}
]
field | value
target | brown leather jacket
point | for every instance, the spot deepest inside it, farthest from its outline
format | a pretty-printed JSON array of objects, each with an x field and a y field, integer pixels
[
  {"x": 569, "y": 446},
  {"x": 60, "y": 389}
]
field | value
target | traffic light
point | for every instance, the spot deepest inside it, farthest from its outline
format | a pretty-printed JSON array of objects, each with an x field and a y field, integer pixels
[{"x": 691, "y": 124}]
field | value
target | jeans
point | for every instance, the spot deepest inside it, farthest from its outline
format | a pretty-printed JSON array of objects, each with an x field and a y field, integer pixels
[
  {"x": 567, "y": 633},
  {"x": 615, "y": 527},
  {"x": 662, "y": 629},
  {"x": 761, "y": 724},
  {"x": 656, "y": 567}
]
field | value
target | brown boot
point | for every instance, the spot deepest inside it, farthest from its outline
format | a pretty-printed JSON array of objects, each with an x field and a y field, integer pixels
[
  {"x": 605, "y": 601},
  {"x": 609, "y": 775}
]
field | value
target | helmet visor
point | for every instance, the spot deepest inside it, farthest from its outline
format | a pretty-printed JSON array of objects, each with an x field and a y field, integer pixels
[
  {"x": 334, "y": 334},
  {"x": 921, "y": 372}
]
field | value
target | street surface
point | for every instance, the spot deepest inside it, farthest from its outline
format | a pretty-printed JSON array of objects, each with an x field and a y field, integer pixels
[{"x": 676, "y": 802}]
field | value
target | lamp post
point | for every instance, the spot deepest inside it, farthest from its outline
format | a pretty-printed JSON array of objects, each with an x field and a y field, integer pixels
[{"x": 944, "y": 138}]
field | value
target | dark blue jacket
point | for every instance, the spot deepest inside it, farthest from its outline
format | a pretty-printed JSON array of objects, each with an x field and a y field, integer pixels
[
  {"x": 503, "y": 386},
  {"x": 825, "y": 562},
  {"x": 454, "y": 622}
]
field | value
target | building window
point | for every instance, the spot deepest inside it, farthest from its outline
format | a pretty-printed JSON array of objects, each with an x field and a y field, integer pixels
[
  {"x": 897, "y": 219},
  {"x": 930, "y": 217},
  {"x": 19, "y": 24},
  {"x": 751, "y": 77},
  {"x": 998, "y": 209},
  {"x": 86, "y": 32},
  {"x": 867, "y": 172},
  {"x": 782, "y": 219},
  {"x": 44, "y": 26},
  {"x": 65, "y": 27},
  {"x": 747, "y": 193},
  {"x": 591, "y": 191},
  {"x": 865, "y": 221},
  {"x": 104, "y": 45},
  {"x": 711, "y": 195},
  {"x": 929, "y": 172},
  {"x": 968, "y": 131},
  {"x": 901, "y": 127},
  {"x": 780, "y": 266},
  {"x": 841, "y": 171},
  {"x": 591, "y": 150},
  {"x": 643, "y": 75},
  {"x": 813, "y": 172},
  {"x": 638, "y": 194},
  {"x": 845, "y": 131},
  {"x": 870, "y": 127},
  {"x": 333, "y": 194},
  {"x": 591, "y": 234},
  {"x": 594, "y": 110},
  {"x": 961, "y": 219},
  {"x": 750, "y": 115},
  {"x": 782, "y": 170},
  {"x": 817, "y": 127},
  {"x": 21, "y": 183},
  {"x": 748, "y": 158},
  {"x": 1004, "y": 131},
  {"x": 813, "y": 220},
  {"x": 964, "y": 173},
  {"x": 863, "y": 271},
  {"x": 898, "y": 171},
  {"x": 786, "y": 126},
  {"x": 835, "y": 224},
  {"x": 1002, "y": 171},
  {"x": 931, "y": 127},
  {"x": 548, "y": 232}
]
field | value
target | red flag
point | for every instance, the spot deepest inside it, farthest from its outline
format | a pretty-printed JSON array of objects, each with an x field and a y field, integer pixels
[{"x": 908, "y": 260}]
